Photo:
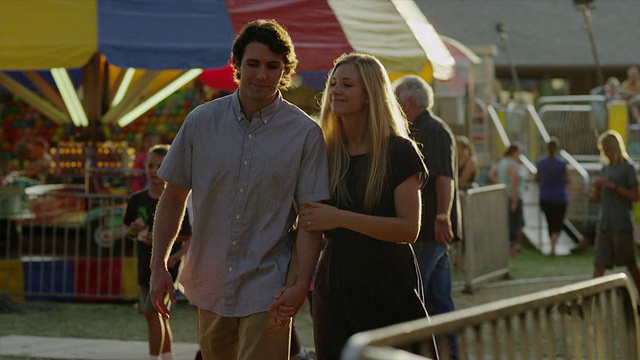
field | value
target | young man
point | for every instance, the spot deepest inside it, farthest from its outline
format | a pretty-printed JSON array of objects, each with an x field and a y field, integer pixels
[
  {"x": 247, "y": 158},
  {"x": 139, "y": 219},
  {"x": 441, "y": 222}
]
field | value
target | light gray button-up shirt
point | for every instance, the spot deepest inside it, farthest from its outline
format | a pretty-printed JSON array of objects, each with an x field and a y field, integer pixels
[{"x": 245, "y": 176}]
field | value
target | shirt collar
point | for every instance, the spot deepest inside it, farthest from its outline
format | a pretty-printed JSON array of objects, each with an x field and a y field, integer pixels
[{"x": 265, "y": 114}]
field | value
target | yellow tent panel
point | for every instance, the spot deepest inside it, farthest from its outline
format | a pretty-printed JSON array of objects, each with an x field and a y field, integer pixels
[{"x": 62, "y": 33}]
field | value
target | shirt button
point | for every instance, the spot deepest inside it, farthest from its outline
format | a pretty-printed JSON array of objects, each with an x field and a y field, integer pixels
[
  {"x": 230, "y": 269},
  {"x": 233, "y": 243},
  {"x": 245, "y": 162},
  {"x": 241, "y": 190},
  {"x": 250, "y": 136},
  {"x": 238, "y": 217}
]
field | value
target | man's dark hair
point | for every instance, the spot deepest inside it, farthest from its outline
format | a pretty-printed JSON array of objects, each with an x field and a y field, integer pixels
[{"x": 271, "y": 34}]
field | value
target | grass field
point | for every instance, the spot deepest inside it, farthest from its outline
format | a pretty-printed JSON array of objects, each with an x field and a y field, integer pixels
[{"x": 529, "y": 273}]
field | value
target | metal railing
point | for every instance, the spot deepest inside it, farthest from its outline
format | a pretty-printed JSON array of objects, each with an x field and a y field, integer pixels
[
  {"x": 593, "y": 319},
  {"x": 65, "y": 244},
  {"x": 578, "y": 202},
  {"x": 486, "y": 251}
]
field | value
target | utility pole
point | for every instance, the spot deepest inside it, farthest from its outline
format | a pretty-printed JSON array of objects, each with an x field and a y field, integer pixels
[
  {"x": 586, "y": 6},
  {"x": 502, "y": 33}
]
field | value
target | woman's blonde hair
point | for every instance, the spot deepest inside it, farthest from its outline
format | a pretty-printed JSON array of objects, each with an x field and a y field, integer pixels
[
  {"x": 466, "y": 144},
  {"x": 385, "y": 119},
  {"x": 613, "y": 139}
]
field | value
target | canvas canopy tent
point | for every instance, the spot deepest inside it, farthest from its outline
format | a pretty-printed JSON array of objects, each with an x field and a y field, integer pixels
[{"x": 165, "y": 44}]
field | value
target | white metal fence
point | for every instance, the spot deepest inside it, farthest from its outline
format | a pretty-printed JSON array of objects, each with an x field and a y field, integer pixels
[
  {"x": 486, "y": 239},
  {"x": 59, "y": 243},
  {"x": 593, "y": 319}
]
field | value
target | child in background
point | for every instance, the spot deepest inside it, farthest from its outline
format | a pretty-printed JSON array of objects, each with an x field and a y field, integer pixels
[
  {"x": 138, "y": 180},
  {"x": 40, "y": 161},
  {"x": 139, "y": 218}
]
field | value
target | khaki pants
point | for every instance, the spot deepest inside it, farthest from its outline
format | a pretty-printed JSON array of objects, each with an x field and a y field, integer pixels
[{"x": 251, "y": 337}]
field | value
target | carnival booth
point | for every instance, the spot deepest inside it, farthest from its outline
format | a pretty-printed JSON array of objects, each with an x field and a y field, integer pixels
[{"x": 89, "y": 76}]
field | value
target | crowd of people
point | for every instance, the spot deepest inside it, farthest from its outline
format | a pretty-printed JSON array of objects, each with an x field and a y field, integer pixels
[
  {"x": 628, "y": 90},
  {"x": 374, "y": 186}
]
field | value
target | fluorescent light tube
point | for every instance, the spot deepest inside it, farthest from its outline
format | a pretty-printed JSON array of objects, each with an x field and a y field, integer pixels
[
  {"x": 154, "y": 99},
  {"x": 124, "y": 85},
  {"x": 70, "y": 96}
]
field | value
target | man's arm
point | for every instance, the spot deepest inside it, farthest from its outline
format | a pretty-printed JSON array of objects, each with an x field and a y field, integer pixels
[
  {"x": 444, "y": 196},
  {"x": 169, "y": 215},
  {"x": 305, "y": 258},
  {"x": 308, "y": 246}
]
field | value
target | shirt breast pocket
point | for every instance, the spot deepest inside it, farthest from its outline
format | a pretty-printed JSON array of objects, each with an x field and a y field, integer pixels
[{"x": 279, "y": 178}]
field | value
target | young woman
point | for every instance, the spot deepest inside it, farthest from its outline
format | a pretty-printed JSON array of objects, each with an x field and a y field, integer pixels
[
  {"x": 507, "y": 171},
  {"x": 553, "y": 178},
  {"x": 616, "y": 189},
  {"x": 467, "y": 166},
  {"x": 368, "y": 276}
]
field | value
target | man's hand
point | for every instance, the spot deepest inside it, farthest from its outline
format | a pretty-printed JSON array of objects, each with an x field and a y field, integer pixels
[
  {"x": 286, "y": 303},
  {"x": 161, "y": 284},
  {"x": 443, "y": 232}
]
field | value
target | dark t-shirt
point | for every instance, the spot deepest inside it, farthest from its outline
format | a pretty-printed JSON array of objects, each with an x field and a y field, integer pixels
[
  {"x": 553, "y": 186},
  {"x": 438, "y": 146},
  {"x": 616, "y": 211},
  {"x": 365, "y": 283},
  {"x": 143, "y": 206}
]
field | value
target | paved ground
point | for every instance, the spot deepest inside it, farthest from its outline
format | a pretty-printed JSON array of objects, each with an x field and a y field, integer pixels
[
  {"x": 52, "y": 348},
  {"x": 36, "y": 347}
]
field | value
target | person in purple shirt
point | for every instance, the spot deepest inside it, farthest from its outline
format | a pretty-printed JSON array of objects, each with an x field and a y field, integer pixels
[{"x": 553, "y": 178}]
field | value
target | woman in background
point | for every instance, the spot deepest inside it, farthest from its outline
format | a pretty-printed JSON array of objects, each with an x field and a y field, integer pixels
[
  {"x": 507, "y": 171},
  {"x": 553, "y": 177},
  {"x": 616, "y": 189},
  {"x": 467, "y": 165}
]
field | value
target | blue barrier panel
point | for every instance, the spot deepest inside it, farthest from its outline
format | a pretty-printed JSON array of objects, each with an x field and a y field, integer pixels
[{"x": 48, "y": 279}]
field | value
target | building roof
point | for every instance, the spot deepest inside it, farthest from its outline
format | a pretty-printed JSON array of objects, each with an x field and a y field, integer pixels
[{"x": 543, "y": 33}]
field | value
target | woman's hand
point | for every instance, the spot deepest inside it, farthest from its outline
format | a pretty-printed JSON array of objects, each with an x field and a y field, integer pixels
[
  {"x": 174, "y": 260},
  {"x": 603, "y": 182},
  {"x": 319, "y": 217}
]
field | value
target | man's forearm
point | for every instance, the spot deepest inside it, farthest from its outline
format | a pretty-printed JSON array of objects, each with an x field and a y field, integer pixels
[
  {"x": 294, "y": 263},
  {"x": 308, "y": 246},
  {"x": 169, "y": 215},
  {"x": 444, "y": 194}
]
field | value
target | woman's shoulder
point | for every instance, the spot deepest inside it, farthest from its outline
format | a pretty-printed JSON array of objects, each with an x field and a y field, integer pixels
[{"x": 399, "y": 143}]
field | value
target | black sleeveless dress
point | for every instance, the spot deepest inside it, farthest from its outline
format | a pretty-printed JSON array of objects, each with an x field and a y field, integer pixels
[{"x": 364, "y": 283}]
